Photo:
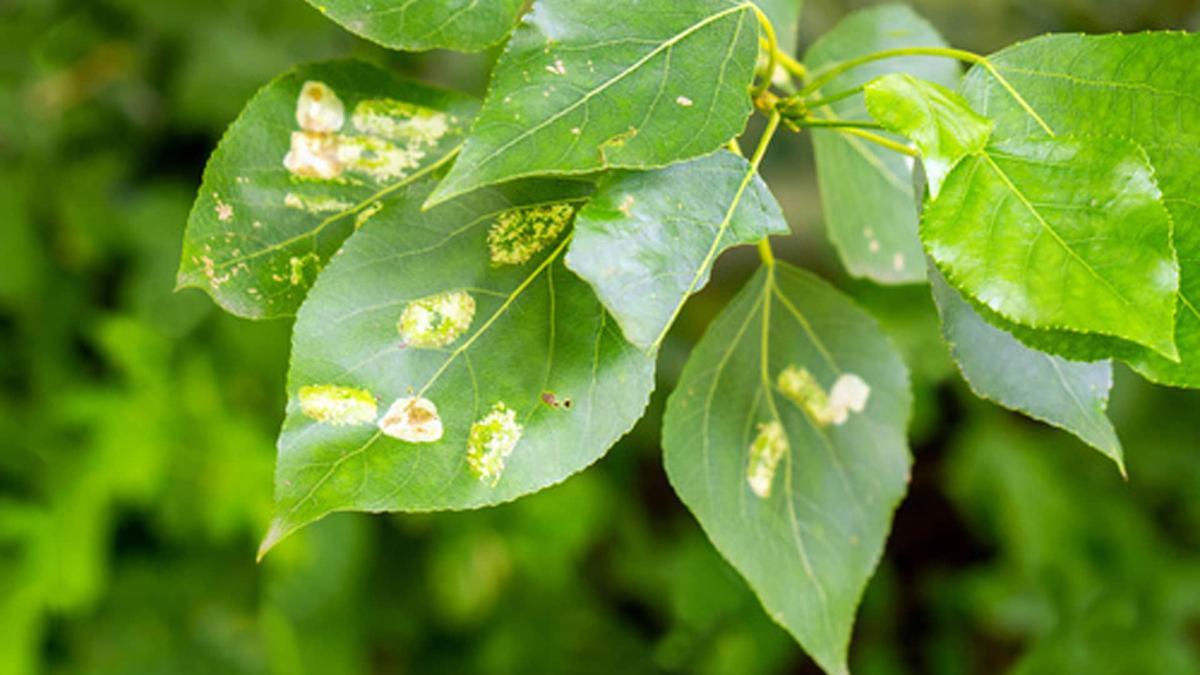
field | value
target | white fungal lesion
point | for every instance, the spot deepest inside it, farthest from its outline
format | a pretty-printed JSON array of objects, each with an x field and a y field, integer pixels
[
  {"x": 683, "y": 101},
  {"x": 223, "y": 209},
  {"x": 412, "y": 419},
  {"x": 315, "y": 203},
  {"x": 437, "y": 320},
  {"x": 337, "y": 405},
  {"x": 557, "y": 67},
  {"x": 390, "y": 137},
  {"x": 767, "y": 449},
  {"x": 519, "y": 234},
  {"x": 298, "y": 267},
  {"x": 849, "y": 394},
  {"x": 491, "y": 441}
]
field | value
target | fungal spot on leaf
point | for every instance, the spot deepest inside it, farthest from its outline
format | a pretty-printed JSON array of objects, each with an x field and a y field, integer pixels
[
  {"x": 849, "y": 394},
  {"x": 437, "y": 320},
  {"x": 898, "y": 262},
  {"x": 366, "y": 214},
  {"x": 319, "y": 109},
  {"x": 313, "y": 155},
  {"x": 224, "y": 211},
  {"x": 336, "y": 405},
  {"x": 519, "y": 234},
  {"x": 379, "y": 158},
  {"x": 684, "y": 101},
  {"x": 315, "y": 203},
  {"x": 412, "y": 419},
  {"x": 299, "y": 266},
  {"x": 399, "y": 121},
  {"x": 490, "y": 442},
  {"x": 557, "y": 67},
  {"x": 626, "y": 206},
  {"x": 769, "y": 446}
]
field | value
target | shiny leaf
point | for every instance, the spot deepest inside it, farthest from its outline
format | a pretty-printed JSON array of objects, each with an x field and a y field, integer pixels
[
  {"x": 586, "y": 85},
  {"x": 417, "y": 25},
  {"x": 311, "y": 156}
]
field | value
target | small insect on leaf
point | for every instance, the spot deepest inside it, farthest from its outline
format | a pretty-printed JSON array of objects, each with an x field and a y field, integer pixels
[
  {"x": 490, "y": 442},
  {"x": 519, "y": 234},
  {"x": 768, "y": 448},
  {"x": 412, "y": 419},
  {"x": 437, "y": 320},
  {"x": 337, "y": 405}
]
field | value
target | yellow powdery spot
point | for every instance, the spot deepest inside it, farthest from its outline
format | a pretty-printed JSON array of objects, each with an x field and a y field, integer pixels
[
  {"x": 768, "y": 448},
  {"x": 337, "y": 405},
  {"x": 849, "y": 394},
  {"x": 399, "y": 121},
  {"x": 412, "y": 419},
  {"x": 490, "y": 442},
  {"x": 297, "y": 268},
  {"x": 519, "y": 234},
  {"x": 318, "y": 109},
  {"x": 379, "y": 158},
  {"x": 366, "y": 214},
  {"x": 437, "y": 320},
  {"x": 315, "y": 203}
]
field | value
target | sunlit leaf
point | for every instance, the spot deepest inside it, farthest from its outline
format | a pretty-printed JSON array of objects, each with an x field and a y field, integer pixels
[
  {"x": 647, "y": 240},
  {"x": 309, "y": 159},
  {"x": 786, "y": 439},
  {"x": 1141, "y": 87},
  {"x": 591, "y": 84},
  {"x": 416, "y": 25},
  {"x": 466, "y": 376},
  {"x": 866, "y": 190},
  {"x": 1064, "y": 232},
  {"x": 938, "y": 121}
]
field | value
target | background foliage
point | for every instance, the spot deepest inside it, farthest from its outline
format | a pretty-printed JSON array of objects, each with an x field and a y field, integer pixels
[{"x": 137, "y": 427}]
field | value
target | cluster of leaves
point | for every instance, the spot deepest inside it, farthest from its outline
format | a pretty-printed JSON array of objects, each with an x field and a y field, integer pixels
[{"x": 1052, "y": 199}]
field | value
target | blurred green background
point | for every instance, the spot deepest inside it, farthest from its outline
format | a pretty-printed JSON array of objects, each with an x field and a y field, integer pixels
[{"x": 137, "y": 427}]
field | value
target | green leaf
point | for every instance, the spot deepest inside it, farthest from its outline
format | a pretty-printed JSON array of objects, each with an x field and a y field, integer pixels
[
  {"x": 1067, "y": 394},
  {"x": 866, "y": 190},
  {"x": 418, "y": 25},
  {"x": 647, "y": 240},
  {"x": 1062, "y": 233},
  {"x": 792, "y": 472},
  {"x": 260, "y": 232},
  {"x": 938, "y": 121},
  {"x": 1141, "y": 87},
  {"x": 785, "y": 18},
  {"x": 433, "y": 342},
  {"x": 586, "y": 85}
]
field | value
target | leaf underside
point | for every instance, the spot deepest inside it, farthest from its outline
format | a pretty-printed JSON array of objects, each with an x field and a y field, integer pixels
[
  {"x": 538, "y": 342},
  {"x": 809, "y": 547},
  {"x": 647, "y": 240},
  {"x": 585, "y": 85},
  {"x": 1067, "y": 394},
  {"x": 259, "y": 234},
  {"x": 866, "y": 191}
]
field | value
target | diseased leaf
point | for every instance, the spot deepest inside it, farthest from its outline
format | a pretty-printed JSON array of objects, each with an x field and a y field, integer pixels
[
  {"x": 1063, "y": 233},
  {"x": 418, "y": 25},
  {"x": 647, "y": 240},
  {"x": 786, "y": 439},
  {"x": 1067, "y": 394},
  {"x": 938, "y": 121},
  {"x": 313, "y": 155},
  {"x": 1143, "y": 87},
  {"x": 470, "y": 366},
  {"x": 785, "y": 17},
  {"x": 591, "y": 84},
  {"x": 866, "y": 190}
]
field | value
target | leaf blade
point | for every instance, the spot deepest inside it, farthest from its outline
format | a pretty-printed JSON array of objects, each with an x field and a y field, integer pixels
[
  {"x": 535, "y": 339},
  {"x": 463, "y": 25},
  {"x": 587, "y": 97},
  {"x": 646, "y": 241},
  {"x": 841, "y": 481},
  {"x": 259, "y": 233}
]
